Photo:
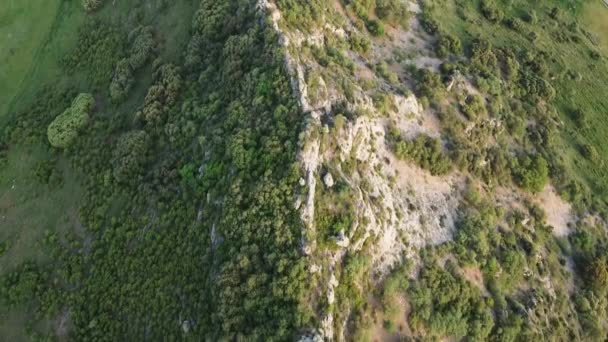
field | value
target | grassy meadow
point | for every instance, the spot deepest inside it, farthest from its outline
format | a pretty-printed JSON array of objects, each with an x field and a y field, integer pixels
[{"x": 24, "y": 31}]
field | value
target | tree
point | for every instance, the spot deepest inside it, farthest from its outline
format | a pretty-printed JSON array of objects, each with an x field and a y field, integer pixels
[
  {"x": 142, "y": 46},
  {"x": 162, "y": 95},
  {"x": 122, "y": 81},
  {"x": 129, "y": 156},
  {"x": 65, "y": 128}
]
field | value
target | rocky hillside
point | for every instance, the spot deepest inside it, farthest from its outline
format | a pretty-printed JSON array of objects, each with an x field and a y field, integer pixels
[{"x": 384, "y": 182}]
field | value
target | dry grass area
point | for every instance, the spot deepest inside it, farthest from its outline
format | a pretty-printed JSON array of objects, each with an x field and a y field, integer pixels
[
  {"x": 559, "y": 212},
  {"x": 595, "y": 16}
]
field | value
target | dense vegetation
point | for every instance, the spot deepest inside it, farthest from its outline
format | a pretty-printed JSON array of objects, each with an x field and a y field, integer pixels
[{"x": 185, "y": 227}]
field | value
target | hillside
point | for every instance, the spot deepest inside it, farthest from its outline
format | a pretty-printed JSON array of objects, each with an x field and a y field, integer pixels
[{"x": 362, "y": 170}]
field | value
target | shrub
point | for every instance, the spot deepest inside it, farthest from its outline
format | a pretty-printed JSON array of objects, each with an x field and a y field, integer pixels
[
  {"x": 490, "y": 10},
  {"x": 429, "y": 24},
  {"x": 597, "y": 275},
  {"x": 474, "y": 106},
  {"x": 531, "y": 17},
  {"x": 590, "y": 152},
  {"x": 393, "y": 11},
  {"x": 516, "y": 24},
  {"x": 531, "y": 172},
  {"x": 427, "y": 152},
  {"x": 162, "y": 95},
  {"x": 430, "y": 84},
  {"x": 65, "y": 128},
  {"x": 386, "y": 73},
  {"x": 447, "y": 43},
  {"x": 92, "y": 5},
  {"x": 375, "y": 27}
]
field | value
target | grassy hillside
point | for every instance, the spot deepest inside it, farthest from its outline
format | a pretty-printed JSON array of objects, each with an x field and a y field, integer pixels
[{"x": 572, "y": 41}]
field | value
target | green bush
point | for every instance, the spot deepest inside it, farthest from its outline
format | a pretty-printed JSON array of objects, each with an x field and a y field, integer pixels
[
  {"x": 491, "y": 11},
  {"x": 375, "y": 27},
  {"x": 430, "y": 85},
  {"x": 591, "y": 153},
  {"x": 393, "y": 11},
  {"x": 100, "y": 46},
  {"x": 446, "y": 44},
  {"x": 65, "y": 128},
  {"x": 92, "y": 5},
  {"x": 428, "y": 23},
  {"x": 474, "y": 107},
  {"x": 531, "y": 172},
  {"x": 427, "y": 152}
]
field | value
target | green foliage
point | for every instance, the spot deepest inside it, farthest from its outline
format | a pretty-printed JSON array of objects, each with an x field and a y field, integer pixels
[
  {"x": 428, "y": 23},
  {"x": 597, "y": 275},
  {"x": 427, "y": 152},
  {"x": 98, "y": 49},
  {"x": 375, "y": 27},
  {"x": 393, "y": 11},
  {"x": 430, "y": 84},
  {"x": 590, "y": 152},
  {"x": 516, "y": 24},
  {"x": 446, "y": 305},
  {"x": 446, "y": 44},
  {"x": 491, "y": 11},
  {"x": 47, "y": 173},
  {"x": 123, "y": 80},
  {"x": 162, "y": 95},
  {"x": 531, "y": 172},
  {"x": 474, "y": 106},
  {"x": 129, "y": 157},
  {"x": 360, "y": 44},
  {"x": 64, "y": 130},
  {"x": 31, "y": 124},
  {"x": 384, "y": 71},
  {"x": 22, "y": 285},
  {"x": 142, "y": 43}
]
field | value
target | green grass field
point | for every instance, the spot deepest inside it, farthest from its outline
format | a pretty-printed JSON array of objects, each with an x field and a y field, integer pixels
[{"x": 24, "y": 28}]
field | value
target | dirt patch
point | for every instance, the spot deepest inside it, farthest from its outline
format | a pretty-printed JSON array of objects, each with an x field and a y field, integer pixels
[
  {"x": 559, "y": 212},
  {"x": 62, "y": 326},
  {"x": 379, "y": 331}
]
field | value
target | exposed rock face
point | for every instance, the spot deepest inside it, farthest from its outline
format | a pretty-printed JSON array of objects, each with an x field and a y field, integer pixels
[
  {"x": 397, "y": 206},
  {"x": 328, "y": 180}
]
